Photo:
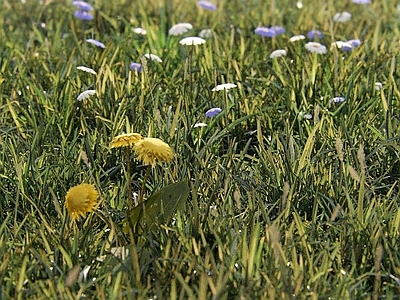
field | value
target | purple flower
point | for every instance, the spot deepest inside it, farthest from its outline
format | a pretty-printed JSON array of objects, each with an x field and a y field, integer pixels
[
  {"x": 361, "y": 1},
  {"x": 350, "y": 45},
  {"x": 207, "y": 5},
  {"x": 82, "y": 5},
  {"x": 278, "y": 30},
  {"x": 212, "y": 112},
  {"x": 83, "y": 15},
  {"x": 135, "y": 67},
  {"x": 96, "y": 43},
  {"x": 337, "y": 100},
  {"x": 314, "y": 34},
  {"x": 269, "y": 32}
]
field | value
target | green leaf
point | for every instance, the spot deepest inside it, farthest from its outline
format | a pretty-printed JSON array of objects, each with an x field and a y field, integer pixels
[{"x": 159, "y": 208}]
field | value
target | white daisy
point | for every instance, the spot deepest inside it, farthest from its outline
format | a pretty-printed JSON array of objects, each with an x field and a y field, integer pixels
[
  {"x": 316, "y": 47},
  {"x": 199, "y": 125},
  {"x": 297, "y": 38},
  {"x": 180, "y": 28},
  {"x": 224, "y": 86},
  {"x": 205, "y": 33},
  {"x": 86, "y": 94},
  {"x": 140, "y": 30},
  {"x": 86, "y": 69},
  {"x": 342, "y": 17},
  {"x": 192, "y": 40},
  {"x": 278, "y": 53},
  {"x": 378, "y": 85},
  {"x": 152, "y": 57}
]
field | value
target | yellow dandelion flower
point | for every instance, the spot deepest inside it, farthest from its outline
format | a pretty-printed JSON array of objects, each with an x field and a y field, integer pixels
[
  {"x": 152, "y": 150},
  {"x": 81, "y": 199},
  {"x": 125, "y": 140}
]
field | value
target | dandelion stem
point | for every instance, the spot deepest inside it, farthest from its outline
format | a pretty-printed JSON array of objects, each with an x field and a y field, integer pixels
[
  {"x": 146, "y": 176},
  {"x": 128, "y": 176}
]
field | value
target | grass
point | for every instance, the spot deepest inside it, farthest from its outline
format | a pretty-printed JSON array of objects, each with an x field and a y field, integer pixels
[{"x": 280, "y": 206}]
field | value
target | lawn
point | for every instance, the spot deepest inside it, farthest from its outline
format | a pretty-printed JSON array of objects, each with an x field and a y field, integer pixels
[{"x": 259, "y": 160}]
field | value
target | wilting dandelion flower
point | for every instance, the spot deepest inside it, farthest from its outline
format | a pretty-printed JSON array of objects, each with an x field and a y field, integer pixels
[
  {"x": 207, "y": 5},
  {"x": 297, "y": 38},
  {"x": 125, "y": 140},
  {"x": 152, "y": 57},
  {"x": 278, "y": 53},
  {"x": 135, "y": 66},
  {"x": 82, "y": 5},
  {"x": 361, "y": 1},
  {"x": 224, "y": 86},
  {"x": 180, "y": 28},
  {"x": 83, "y": 15},
  {"x": 140, "y": 30},
  {"x": 212, "y": 112},
  {"x": 342, "y": 17},
  {"x": 81, "y": 199},
  {"x": 96, "y": 43},
  {"x": 86, "y": 94},
  {"x": 316, "y": 47},
  {"x": 86, "y": 69},
  {"x": 192, "y": 40},
  {"x": 378, "y": 86},
  {"x": 205, "y": 33},
  {"x": 152, "y": 151},
  {"x": 337, "y": 100},
  {"x": 269, "y": 32},
  {"x": 314, "y": 34}
]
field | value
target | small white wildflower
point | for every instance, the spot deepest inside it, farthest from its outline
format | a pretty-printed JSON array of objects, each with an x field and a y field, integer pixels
[
  {"x": 278, "y": 53},
  {"x": 299, "y": 5},
  {"x": 316, "y": 47},
  {"x": 337, "y": 100},
  {"x": 297, "y": 38},
  {"x": 192, "y": 40},
  {"x": 86, "y": 69},
  {"x": 180, "y": 28},
  {"x": 152, "y": 57},
  {"x": 342, "y": 17},
  {"x": 205, "y": 33},
  {"x": 140, "y": 30},
  {"x": 378, "y": 86},
  {"x": 224, "y": 86},
  {"x": 199, "y": 125},
  {"x": 86, "y": 94}
]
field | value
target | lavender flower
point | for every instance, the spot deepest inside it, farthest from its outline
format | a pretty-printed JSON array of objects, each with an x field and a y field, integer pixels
[
  {"x": 269, "y": 32},
  {"x": 361, "y": 1},
  {"x": 313, "y": 34},
  {"x": 207, "y": 5},
  {"x": 82, "y": 5},
  {"x": 135, "y": 66},
  {"x": 347, "y": 46},
  {"x": 83, "y": 15},
  {"x": 212, "y": 112}
]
